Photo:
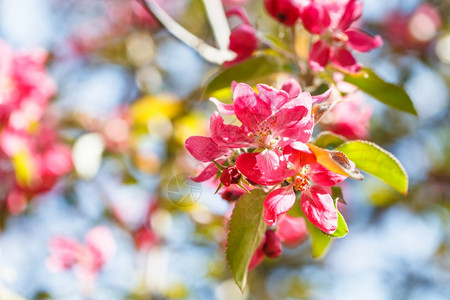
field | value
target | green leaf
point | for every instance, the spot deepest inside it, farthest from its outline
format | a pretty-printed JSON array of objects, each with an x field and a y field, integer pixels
[
  {"x": 328, "y": 139},
  {"x": 385, "y": 92},
  {"x": 320, "y": 242},
  {"x": 247, "y": 229},
  {"x": 250, "y": 70},
  {"x": 380, "y": 163},
  {"x": 341, "y": 229},
  {"x": 336, "y": 192}
]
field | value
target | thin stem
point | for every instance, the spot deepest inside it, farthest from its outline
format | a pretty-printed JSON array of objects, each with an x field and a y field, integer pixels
[
  {"x": 293, "y": 32},
  {"x": 275, "y": 47},
  {"x": 208, "y": 52}
]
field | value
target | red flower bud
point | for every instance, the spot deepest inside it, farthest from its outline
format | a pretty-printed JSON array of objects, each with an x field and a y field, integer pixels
[
  {"x": 272, "y": 246},
  {"x": 286, "y": 12},
  {"x": 230, "y": 175}
]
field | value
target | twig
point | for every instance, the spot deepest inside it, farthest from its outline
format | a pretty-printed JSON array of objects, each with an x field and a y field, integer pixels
[
  {"x": 208, "y": 52},
  {"x": 218, "y": 22}
]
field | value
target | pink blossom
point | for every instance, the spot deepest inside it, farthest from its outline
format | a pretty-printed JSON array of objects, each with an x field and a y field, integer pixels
[
  {"x": 25, "y": 86},
  {"x": 89, "y": 257},
  {"x": 332, "y": 23},
  {"x": 316, "y": 202},
  {"x": 349, "y": 118}
]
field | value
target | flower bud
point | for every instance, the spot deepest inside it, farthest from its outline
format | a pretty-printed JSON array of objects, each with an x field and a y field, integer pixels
[
  {"x": 230, "y": 175},
  {"x": 272, "y": 246},
  {"x": 286, "y": 12}
]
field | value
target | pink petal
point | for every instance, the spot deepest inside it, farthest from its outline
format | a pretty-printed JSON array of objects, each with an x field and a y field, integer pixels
[
  {"x": 250, "y": 109},
  {"x": 204, "y": 148},
  {"x": 225, "y": 109},
  {"x": 225, "y": 135},
  {"x": 291, "y": 87},
  {"x": 322, "y": 176},
  {"x": 265, "y": 168},
  {"x": 351, "y": 13},
  {"x": 101, "y": 238},
  {"x": 206, "y": 174},
  {"x": 361, "y": 41},
  {"x": 277, "y": 203},
  {"x": 299, "y": 155},
  {"x": 292, "y": 231},
  {"x": 292, "y": 123},
  {"x": 315, "y": 18},
  {"x": 322, "y": 97},
  {"x": 319, "y": 208},
  {"x": 342, "y": 58},
  {"x": 319, "y": 55},
  {"x": 275, "y": 98}
]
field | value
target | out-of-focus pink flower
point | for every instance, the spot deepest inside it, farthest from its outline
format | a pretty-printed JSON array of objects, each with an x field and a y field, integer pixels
[
  {"x": 333, "y": 23},
  {"x": 229, "y": 3},
  {"x": 349, "y": 118},
  {"x": 243, "y": 40},
  {"x": 412, "y": 31},
  {"x": 25, "y": 86},
  {"x": 89, "y": 257},
  {"x": 286, "y": 12}
]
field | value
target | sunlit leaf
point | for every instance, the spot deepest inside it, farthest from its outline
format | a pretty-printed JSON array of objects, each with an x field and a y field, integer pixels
[
  {"x": 247, "y": 228},
  {"x": 385, "y": 92},
  {"x": 320, "y": 242},
  {"x": 250, "y": 70},
  {"x": 24, "y": 168},
  {"x": 328, "y": 139},
  {"x": 341, "y": 229},
  {"x": 380, "y": 163}
]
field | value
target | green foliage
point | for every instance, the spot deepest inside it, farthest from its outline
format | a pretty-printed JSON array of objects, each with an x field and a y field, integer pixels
[
  {"x": 375, "y": 160},
  {"x": 387, "y": 93},
  {"x": 341, "y": 229},
  {"x": 247, "y": 229},
  {"x": 320, "y": 242},
  {"x": 330, "y": 140},
  {"x": 249, "y": 71}
]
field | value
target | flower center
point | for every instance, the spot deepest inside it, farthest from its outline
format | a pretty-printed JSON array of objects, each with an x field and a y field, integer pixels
[{"x": 300, "y": 182}]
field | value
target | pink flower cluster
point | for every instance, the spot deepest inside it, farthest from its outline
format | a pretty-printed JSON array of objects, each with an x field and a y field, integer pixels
[
  {"x": 331, "y": 22},
  {"x": 270, "y": 149},
  {"x": 31, "y": 156}
]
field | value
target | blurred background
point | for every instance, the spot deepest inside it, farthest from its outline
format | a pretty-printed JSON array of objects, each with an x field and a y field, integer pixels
[{"x": 123, "y": 97}]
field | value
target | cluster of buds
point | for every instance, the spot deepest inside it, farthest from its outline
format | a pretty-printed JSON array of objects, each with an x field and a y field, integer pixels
[{"x": 330, "y": 22}]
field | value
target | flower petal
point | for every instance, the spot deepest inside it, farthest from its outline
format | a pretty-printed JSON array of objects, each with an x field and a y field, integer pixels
[
  {"x": 322, "y": 176},
  {"x": 250, "y": 109},
  {"x": 319, "y": 208},
  {"x": 315, "y": 18},
  {"x": 265, "y": 168},
  {"x": 225, "y": 109},
  {"x": 342, "y": 58},
  {"x": 292, "y": 231},
  {"x": 204, "y": 148},
  {"x": 322, "y": 97},
  {"x": 278, "y": 202},
  {"x": 361, "y": 41},
  {"x": 299, "y": 155},
  {"x": 291, "y": 87},
  {"x": 275, "y": 98},
  {"x": 319, "y": 55},
  {"x": 206, "y": 174},
  {"x": 226, "y": 135},
  {"x": 352, "y": 12}
]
